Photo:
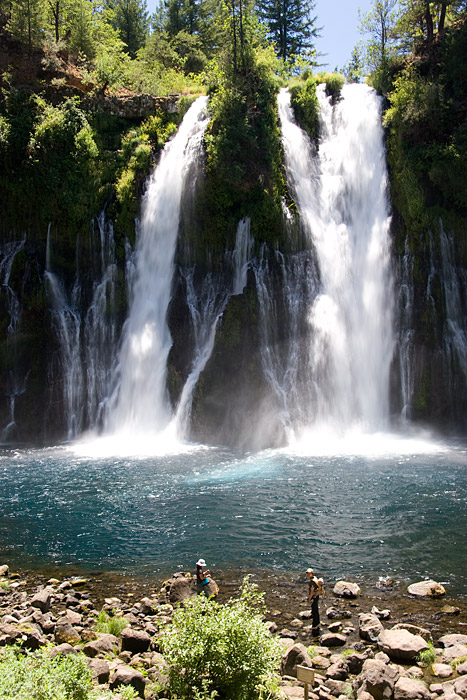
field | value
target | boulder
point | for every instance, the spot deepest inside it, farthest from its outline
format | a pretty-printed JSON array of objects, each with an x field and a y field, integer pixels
[
  {"x": 104, "y": 644},
  {"x": 457, "y": 651},
  {"x": 180, "y": 589},
  {"x": 295, "y": 656},
  {"x": 462, "y": 668},
  {"x": 62, "y": 650},
  {"x": 442, "y": 670},
  {"x": 4, "y": 570},
  {"x": 427, "y": 589},
  {"x": 369, "y": 627},
  {"x": 354, "y": 663},
  {"x": 100, "y": 670},
  {"x": 346, "y": 589},
  {"x": 381, "y": 614},
  {"x": 134, "y": 641},
  {"x": 401, "y": 645},
  {"x": 66, "y": 633},
  {"x": 411, "y": 689},
  {"x": 426, "y": 634},
  {"x": 42, "y": 600},
  {"x": 333, "y": 639},
  {"x": 124, "y": 675},
  {"x": 448, "y": 640},
  {"x": 377, "y": 678}
]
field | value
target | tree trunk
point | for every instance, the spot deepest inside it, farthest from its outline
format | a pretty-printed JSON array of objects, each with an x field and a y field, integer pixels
[{"x": 429, "y": 23}]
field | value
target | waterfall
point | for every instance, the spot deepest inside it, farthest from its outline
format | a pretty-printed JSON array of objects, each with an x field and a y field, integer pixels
[
  {"x": 455, "y": 337},
  {"x": 140, "y": 404},
  {"x": 407, "y": 333},
  {"x": 206, "y": 307},
  {"x": 16, "y": 381},
  {"x": 66, "y": 321},
  {"x": 242, "y": 254},
  {"x": 341, "y": 196},
  {"x": 100, "y": 326}
]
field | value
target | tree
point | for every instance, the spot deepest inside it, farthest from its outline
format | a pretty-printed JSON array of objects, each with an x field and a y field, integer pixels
[
  {"x": 420, "y": 21},
  {"x": 130, "y": 18},
  {"x": 26, "y": 21},
  {"x": 291, "y": 26},
  {"x": 354, "y": 69},
  {"x": 379, "y": 24}
]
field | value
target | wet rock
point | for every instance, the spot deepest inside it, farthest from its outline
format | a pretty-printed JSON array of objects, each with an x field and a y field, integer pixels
[
  {"x": 288, "y": 633},
  {"x": 442, "y": 670},
  {"x": 381, "y": 614},
  {"x": 296, "y": 655},
  {"x": 305, "y": 615},
  {"x": 124, "y": 675},
  {"x": 423, "y": 589},
  {"x": 377, "y": 678},
  {"x": 335, "y": 627},
  {"x": 411, "y": 689},
  {"x": 134, "y": 641},
  {"x": 450, "y": 610},
  {"x": 346, "y": 589},
  {"x": 369, "y": 627},
  {"x": 401, "y": 645}
]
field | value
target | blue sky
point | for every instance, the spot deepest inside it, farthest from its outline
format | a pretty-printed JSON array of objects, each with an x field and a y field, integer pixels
[{"x": 339, "y": 19}]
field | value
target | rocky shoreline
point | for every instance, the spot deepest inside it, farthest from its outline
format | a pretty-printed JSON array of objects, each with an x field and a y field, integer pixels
[{"x": 369, "y": 646}]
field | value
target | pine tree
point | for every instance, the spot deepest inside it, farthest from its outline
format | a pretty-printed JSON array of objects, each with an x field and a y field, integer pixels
[
  {"x": 291, "y": 26},
  {"x": 130, "y": 18}
]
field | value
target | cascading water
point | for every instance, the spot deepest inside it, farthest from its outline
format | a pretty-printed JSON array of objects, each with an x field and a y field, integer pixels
[
  {"x": 140, "y": 405},
  {"x": 454, "y": 295},
  {"x": 242, "y": 254},
  {"x": 16, "y": 383},
  {"x": 341, "y": 196}
]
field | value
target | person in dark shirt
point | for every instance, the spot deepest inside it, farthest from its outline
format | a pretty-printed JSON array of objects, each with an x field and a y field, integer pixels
[
  {"x": 314, "y": 590},
  {"x": 202, "y": 575}
]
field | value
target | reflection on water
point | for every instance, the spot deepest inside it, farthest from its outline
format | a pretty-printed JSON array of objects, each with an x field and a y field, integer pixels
[{"x": 401, "y": 513}]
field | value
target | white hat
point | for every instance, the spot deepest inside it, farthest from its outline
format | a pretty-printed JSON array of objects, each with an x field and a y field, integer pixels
[
  {"x": 309, "y": 571},
  {"x": 200, "y": 562}
]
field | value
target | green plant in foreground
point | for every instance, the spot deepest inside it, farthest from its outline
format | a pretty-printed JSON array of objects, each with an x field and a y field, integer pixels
[
  {"x": 5, "y": 585},
  {"x": 225, "y": 649},
  {"x": 26, "y": 675},
  {"x": 456, "y": 662},
  {"x": 110, "y": 625},
  {"x": 427, "y": 656}
]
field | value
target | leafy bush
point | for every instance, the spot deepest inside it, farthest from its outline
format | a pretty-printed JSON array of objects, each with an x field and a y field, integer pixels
[
  {"x": 224, "y": 649},
  {"x": 110, "y": 625},
  {"x": 305, "y": 105}
]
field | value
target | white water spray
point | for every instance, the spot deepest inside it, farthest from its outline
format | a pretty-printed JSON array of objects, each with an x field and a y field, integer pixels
[
  {"x": 342, "y": 200},
  {"x": 140, "y": 405}
]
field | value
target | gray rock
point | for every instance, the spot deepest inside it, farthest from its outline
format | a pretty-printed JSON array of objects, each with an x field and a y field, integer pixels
[
  {"x": 381, "y": 614},
  {"x": 100, "y": 670},
  {"x": 424, "y": 589},
  {"x": 333, "y": 639},
  {"x": 124, "y": 675},
  {"x": 104, "y": 644},
  {"x": 354, "y": 663},
  {"x": 42, "y": 600},
  {"x": 401, "y": 645},
  {"x": 448, "y": 640},
  {"x": 377, "y": 678},
  {"x": 181, "y": 589},
  {"x": 346, "y": 589},
  {"x": 414, "y": 629},
  {"x": 134, "y": 641},
  {"x": 462, "y": 668},
  {"x": 296, "y": 655},
  {"x": 456, "y": 651},
  {"x": 338, "y": 688},
  {"x": 369, "y": 627},
  {"x": 4, "y": 570},
  {"x": 411, "y": 689},
  {"x": 442, "y": 670},
  {"x": 62, "y": 650}
]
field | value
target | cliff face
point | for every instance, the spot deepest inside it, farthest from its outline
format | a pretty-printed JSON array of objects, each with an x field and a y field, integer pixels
[{"x": 72, "y": 180}]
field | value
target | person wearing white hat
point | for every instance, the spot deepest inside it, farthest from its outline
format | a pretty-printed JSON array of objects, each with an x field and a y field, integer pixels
[{"x": 201, "y": 575}]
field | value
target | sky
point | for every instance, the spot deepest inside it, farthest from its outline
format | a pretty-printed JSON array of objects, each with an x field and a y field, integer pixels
[
  {"x": 339, "y": 20},
  {"x": 339, "y": 34}
]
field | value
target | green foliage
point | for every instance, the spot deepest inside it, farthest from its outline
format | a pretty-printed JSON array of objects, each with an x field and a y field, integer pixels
[
  {"x": 305, "y": 105},
  {"x": 35, "y": 676},
  {"x": 427, "y": 656},
  {"x": 292, "y": 27},
  {"x": 110, "y": 624},
  {"x": 334, "y": 83},
  {"x": 224, "y": 650}
]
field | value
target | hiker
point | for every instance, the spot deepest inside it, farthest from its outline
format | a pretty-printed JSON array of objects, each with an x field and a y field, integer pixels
[
  {"x": 315, "y": 589},
  {"x": 202, "y": 576}
]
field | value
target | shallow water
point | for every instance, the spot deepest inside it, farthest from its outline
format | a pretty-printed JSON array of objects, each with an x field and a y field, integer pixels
[{"x": 399, "y": 508}]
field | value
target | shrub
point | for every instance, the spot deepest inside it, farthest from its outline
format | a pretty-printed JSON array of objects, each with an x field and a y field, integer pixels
[
  {"x": 224, "y": 649},
  {"x": 427, "y": 656},
  {"x": 110, "y": 625},
  {"x": 305, "y": 105}
]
